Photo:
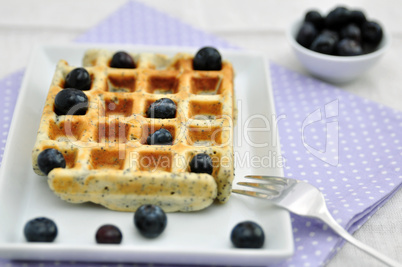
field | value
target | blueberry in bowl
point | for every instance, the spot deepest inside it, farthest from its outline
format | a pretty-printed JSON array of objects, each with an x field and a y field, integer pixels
[
  {"x": 307, "y": 34},
  {"x": 337, "y": 18},
  {"x": 325, "y": 43},
  {"x": 349, "y": 43},
  {"x": 351, "y": 31},
  {"x": 349, "y": 47},
  {"x": 315, "y": 17},
  {"x": 372, "y": 32}
]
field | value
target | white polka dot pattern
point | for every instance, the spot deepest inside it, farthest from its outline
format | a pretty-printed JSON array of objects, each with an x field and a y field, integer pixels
[
  {"x": 346, "y": 146},
  {"x": 350, "y": 148},
  {"x": 9, "y": 87}
]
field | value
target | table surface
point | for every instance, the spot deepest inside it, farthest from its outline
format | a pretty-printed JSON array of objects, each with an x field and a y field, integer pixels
[{"x": 253, "y": 24}]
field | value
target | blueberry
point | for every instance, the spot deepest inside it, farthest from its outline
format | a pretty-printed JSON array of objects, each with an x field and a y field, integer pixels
[
  {"x": 150, "y": 220},
  {"x": 371, "y": 32},
  {"x": 306, "y": 34},
  {"x": 315, "y": 17},
  {"x": 368, "y": 48},
  {"x": 122, "y": 60},
  {"x": 201, "y": 163},
  {"x": 78, "y": 78},
  {"x": 108, "y": 234},
  {"x": 358, "y": 17},
  {"x": 325, "y": 43},
  {"x": 40, "y": 230},
  {"x": 160, "y": 137},
  {"x": 71, "y": 101},
  {"x": 332, "y": 34},
  {"x": 337, "y": 18},
  {"x": 207, "y": 58},
  {"x": 351, "y": 31},
  {"x": 247, "y": 234},
  {"x": 163, "y": 108},
  {"x": 349, "y": 47},
  {"x": 49, "y": 159}
]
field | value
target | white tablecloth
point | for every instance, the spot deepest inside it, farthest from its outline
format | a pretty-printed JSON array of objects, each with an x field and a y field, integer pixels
[{"x": 252, "y": 24}]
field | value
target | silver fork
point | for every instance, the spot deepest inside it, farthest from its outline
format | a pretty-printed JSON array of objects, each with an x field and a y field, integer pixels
[{"x": 303, "y": 199}]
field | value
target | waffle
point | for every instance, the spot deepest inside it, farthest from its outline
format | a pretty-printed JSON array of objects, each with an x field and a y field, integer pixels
[{"x": 108, "y": 161}]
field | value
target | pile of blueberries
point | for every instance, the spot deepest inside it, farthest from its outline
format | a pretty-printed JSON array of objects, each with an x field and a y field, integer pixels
[{"x": 342, "y": 32}]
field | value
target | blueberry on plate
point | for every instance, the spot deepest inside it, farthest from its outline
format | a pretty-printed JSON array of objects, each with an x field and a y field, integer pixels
[
  {"x": 160, "y": 137},
  {"x": 207, "y": 58},
  {"x": 108, "y": 234},
  {"x": 40, "y": 230},
  {"x": 71, "y": 101},
  {"x": 150, "y": 220},
  {"x": 78, "y": 78},
  {"x": 247, "y": 234},
  {"x": 306, "y": 34},
  {"x": 349, "y": 47},
  {"x": 325, "y": 43},
  {"x": 201, "y": 163},
  {"x": 122, "y": 60},
  {"x": 372, "y": 32},
  {"x": 49, "y": 159},
  {"x": 315, "y": 17},
  {"x": 337, "y": 18},
  {"x": 351, "y": 31},
  {"x": 163, "y": 108}
]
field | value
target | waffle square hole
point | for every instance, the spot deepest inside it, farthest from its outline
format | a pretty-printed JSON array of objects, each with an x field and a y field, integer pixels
[
  {"x": 66, "y": 130},
  {"x": 205, "y": 85},
  {"x": 103, "y": 159},
  {"x": 163, "y": 85},
  {"x": 155, "y": 161},
  {"x": 205, "y": 110},
  {"x": 113, "y": 132},
  {"x": 149, "y": 129},
  {"x": 118, "y": 107},
  {"x": 204, "y": 136},
  {"x": 121, "y": 82}
]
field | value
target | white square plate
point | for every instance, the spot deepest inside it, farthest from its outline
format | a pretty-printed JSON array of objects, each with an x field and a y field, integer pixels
[{"x": 194, "y": 238}]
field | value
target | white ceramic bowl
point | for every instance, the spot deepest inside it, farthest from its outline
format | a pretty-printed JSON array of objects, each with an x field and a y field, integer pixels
[{"x": 335, "y": 69}]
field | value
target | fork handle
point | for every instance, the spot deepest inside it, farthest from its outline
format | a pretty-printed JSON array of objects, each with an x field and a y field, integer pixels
[{"x": 328, "y": 219}]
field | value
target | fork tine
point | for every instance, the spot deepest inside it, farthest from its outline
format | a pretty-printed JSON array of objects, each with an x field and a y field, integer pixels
[
  {"x": 273, "y": 179},
  {"x": 269, "y": 187},
  {"x": 251, "y": 193}
]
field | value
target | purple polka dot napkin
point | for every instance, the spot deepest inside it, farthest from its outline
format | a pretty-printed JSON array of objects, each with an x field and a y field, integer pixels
[{"x": 347, "y": 146}]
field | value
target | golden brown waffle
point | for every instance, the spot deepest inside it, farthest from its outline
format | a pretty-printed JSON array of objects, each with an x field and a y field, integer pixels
[{"x": 107, "y": 157}]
